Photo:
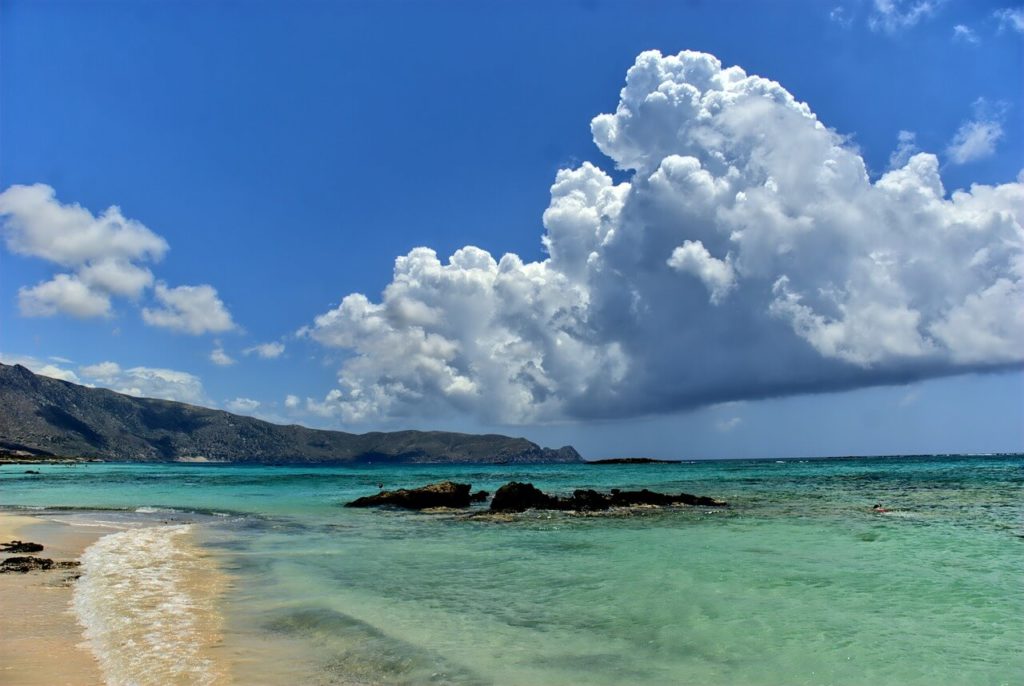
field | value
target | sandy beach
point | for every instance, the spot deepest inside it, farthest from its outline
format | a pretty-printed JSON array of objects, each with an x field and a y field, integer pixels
[{"x": 42, "y": 643}]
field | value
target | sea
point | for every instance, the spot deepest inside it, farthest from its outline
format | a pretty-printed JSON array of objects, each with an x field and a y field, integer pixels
[{"x": 221, "y": 574}]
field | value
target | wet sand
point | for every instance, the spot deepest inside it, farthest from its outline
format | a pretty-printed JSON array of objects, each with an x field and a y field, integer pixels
[{"x": 41, "y": 642}]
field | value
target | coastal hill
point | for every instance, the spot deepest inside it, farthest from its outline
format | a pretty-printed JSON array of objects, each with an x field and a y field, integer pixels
[{"x": 42, "y": 416}]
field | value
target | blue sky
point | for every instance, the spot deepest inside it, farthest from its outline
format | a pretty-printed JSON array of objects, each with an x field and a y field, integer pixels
[{"x": 287, "y": 153}]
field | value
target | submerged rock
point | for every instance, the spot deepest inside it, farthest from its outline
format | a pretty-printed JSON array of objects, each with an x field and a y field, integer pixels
[
  {"x": 444, "y": 494},
  {"x": 20, "y": 547},
  {"x": 480, "y": 497},
  {"x": 518, "y": 497}
]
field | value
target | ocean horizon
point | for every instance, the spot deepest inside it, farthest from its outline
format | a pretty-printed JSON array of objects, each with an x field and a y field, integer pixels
[{"x": 241, "y": 574}]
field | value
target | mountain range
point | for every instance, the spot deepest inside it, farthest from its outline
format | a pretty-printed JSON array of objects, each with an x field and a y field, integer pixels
[{"x": 41, "y": 416}]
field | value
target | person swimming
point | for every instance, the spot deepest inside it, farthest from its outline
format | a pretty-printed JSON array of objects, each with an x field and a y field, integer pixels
[{"x": 877, "y": 507}]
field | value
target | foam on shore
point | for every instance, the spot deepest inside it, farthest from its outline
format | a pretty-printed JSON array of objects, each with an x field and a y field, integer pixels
[{"x": 147, "y": 599}]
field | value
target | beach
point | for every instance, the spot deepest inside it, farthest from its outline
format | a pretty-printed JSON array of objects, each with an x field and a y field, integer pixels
[{"x": 42, "y": 641}]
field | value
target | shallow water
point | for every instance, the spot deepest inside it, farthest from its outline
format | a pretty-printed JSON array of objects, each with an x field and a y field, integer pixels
[{"x": 798, "y": 582}]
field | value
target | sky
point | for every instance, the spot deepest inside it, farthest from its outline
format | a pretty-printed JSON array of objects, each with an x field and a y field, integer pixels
[{"x": 669, "y": 229}]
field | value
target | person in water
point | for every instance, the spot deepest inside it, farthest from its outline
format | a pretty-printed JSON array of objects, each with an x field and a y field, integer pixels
[{"x": 877, "y": 507}]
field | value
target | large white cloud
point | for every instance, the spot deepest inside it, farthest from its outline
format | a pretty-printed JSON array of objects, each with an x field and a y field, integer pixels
[
  {"x": 105, "y": 253},
  {"x": 105, "y": 256},
  {"x": 749, "y": 255}
]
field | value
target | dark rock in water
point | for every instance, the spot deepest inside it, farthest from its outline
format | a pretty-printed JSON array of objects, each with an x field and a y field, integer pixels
[
  {"x": 32, "y": 471},
  {"x": 20, "y": 547},
  {"x": 444, "y": 494},
  {"x": 25, "y": 564},
  {"x": 480, "y": 497},
  {"x": 587, "y": 499},
  {"x": 632, "y": 460},
  {"x": 518, "y": 497}
]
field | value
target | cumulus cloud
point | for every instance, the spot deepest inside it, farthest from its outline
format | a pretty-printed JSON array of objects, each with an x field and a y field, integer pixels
[
  {"x": 103, "y": 253},
  {"x": 63, "y": 293},
  {"x": 292, "y": 401},
  {"x": 242, "y": 405},
  {"x": 219, "y": 357},
  {"x": 189, "y": 309},
  {"x": 976, "y": 138},
  {"x": 268, "y": 351},
  {"x": 1011, "y": 18},
  {"x": 892, "y": 16},
  {"x": 748, "y": 254},
  {"x": 105, "y": 257}
]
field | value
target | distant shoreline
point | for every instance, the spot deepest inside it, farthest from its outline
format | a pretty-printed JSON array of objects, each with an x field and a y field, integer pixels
[{"x": 34, "y": 460}]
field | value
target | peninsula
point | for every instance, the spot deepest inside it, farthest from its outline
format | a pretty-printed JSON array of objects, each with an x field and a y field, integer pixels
[{"x": 44, "y": 417}]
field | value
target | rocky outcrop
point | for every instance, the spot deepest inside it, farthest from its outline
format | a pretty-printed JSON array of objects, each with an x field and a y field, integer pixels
[
  {"x": 44, "y": 417},
  {"x": 444, "y": 494},
  {"x": 519, "y": 497},
  {"x": 20, "y": 547},
  {"x": 632, "y": 460},
  {"x": 31, "y": 563}
]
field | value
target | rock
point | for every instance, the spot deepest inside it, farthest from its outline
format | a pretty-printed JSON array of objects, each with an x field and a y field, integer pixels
[
  {"x": 32, "y": 471},
  {"x": 25, "y": 564},
  {"x": 480, "y": 497},
  {"x": 444, "y": 494},
  {"x": 632, "y": 460},
  {"x": 585, "y": 500},
  {"x": 519, "y": 497},
  {"x": 20, "y": 547}
]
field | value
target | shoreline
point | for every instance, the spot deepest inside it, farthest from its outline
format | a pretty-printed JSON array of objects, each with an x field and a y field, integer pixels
[{"x": 42, "y": 639}]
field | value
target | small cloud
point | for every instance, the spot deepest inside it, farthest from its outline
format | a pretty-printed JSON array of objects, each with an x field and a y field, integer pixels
[
  {"x": 104, "y": 372},
  {"x": 976, "y": 138},
  {"x": 727, "y": 425},
  {"x": 964, "y": 34},
  {"x": 893, "y": 16},
  {"x": 906, "y": 146},
  {"x": 62, "y": 360},
  {"x": 292, "y": 401},
  {"x": 189, "y": 309},
  {"x": 840, "y": 16},
  {"x": 268, "y": 351},
  {"x": 218, "y": 356},
  {"x": 909, "y": 398},
  {"x": 1011, "y": 18},
  {"x": 242, "y": 405}
]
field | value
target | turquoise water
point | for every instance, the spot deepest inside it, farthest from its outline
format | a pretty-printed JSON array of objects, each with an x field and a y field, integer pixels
[{"x": 798, "y": 582}]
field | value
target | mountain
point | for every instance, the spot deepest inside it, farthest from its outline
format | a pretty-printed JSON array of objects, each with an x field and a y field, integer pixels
[{"x": 45, "y": 416}]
